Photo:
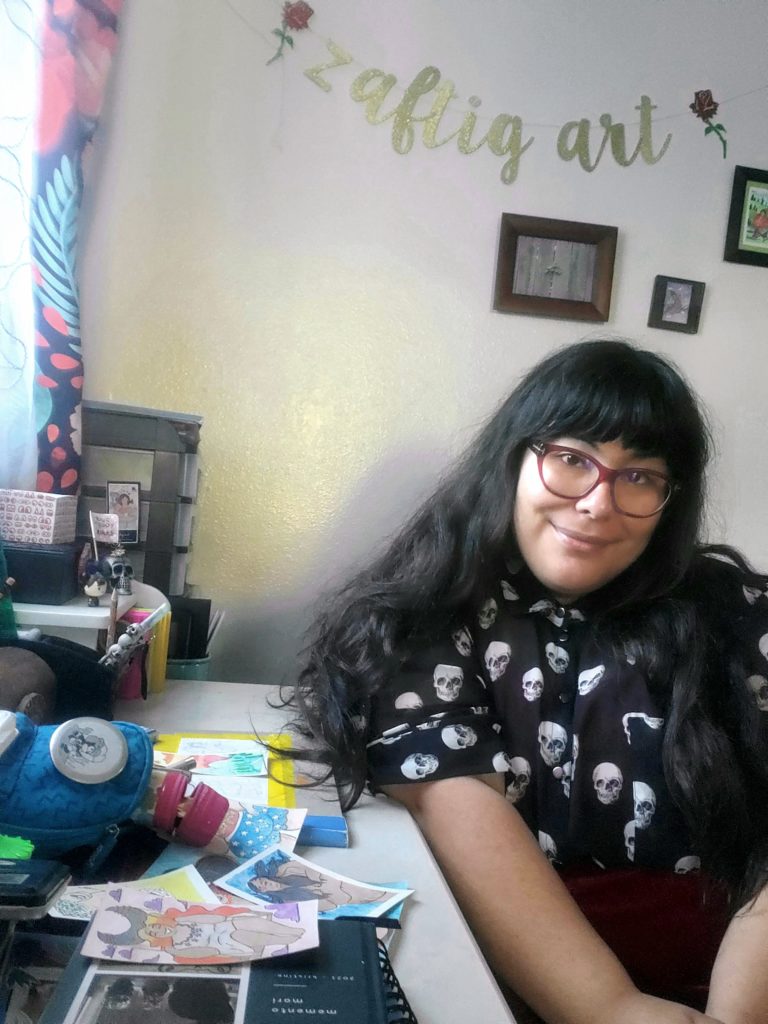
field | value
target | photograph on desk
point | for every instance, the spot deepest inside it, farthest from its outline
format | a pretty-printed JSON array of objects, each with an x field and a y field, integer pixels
[{"x": 278, "y": 877}]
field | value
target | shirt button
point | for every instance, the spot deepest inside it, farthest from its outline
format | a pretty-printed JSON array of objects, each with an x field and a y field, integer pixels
[
  {"x": 560, "y": 612},
  {"x": 563, "y": 638}
]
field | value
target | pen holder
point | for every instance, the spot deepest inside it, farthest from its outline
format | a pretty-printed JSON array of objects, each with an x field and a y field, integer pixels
[{"x": 188, "y": 668}]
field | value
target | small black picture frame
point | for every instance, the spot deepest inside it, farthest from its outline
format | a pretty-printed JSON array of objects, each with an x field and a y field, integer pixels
[
  {"x": 746, "y": 238},
  {"x": 676, "y": 304},
  {"x": 556, "y": 268}
]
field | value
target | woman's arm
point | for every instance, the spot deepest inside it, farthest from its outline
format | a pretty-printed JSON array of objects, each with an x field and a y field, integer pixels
[
  {"x": 739, "y": 986},
  {"x": 528, "y": 925}
]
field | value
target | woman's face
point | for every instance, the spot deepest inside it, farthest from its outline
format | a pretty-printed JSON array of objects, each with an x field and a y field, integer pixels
[{"x": 576, "y": 545}]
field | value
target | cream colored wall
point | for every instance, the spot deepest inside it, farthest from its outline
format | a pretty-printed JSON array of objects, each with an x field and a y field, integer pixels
[{"x": 257, "y": 252}]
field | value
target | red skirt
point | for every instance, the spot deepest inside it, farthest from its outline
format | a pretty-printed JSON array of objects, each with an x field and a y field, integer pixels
[{"x": 665, "y": 928}]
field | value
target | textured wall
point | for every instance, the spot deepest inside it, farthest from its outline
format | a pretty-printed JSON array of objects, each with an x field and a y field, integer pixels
[{"x": 255, "y": 251}]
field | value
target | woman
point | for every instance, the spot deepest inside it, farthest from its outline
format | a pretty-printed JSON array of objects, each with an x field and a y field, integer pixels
[{"x": 549, "y": 671}]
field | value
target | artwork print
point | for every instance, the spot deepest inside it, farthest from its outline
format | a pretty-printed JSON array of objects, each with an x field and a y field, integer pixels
[
  {"x": 753, "y": 231},
  {"x": 142, "y": 928},
  {"x": 277, "y": 876},
  {"x": 123, "y": 500}
]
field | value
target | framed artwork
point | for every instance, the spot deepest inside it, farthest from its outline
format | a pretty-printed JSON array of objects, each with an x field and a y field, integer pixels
[
  {"x": 123, "y": 499},
  {"x": 676, "y": 304},
  {"x": 746, "y": 240},
  {"x": 558, "y": 268}
]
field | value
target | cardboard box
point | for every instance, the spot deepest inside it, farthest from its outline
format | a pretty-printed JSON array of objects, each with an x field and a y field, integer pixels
[{"x": 34, "y": 517}]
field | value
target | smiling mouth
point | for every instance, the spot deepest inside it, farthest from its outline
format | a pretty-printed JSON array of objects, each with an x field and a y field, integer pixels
[{"x": 579, "y": 541}]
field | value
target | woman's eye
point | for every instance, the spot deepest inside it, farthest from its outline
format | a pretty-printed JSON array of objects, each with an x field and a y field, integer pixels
[
  {"x": 637, "y": 477},
  {"x": 573, "y": 461}
]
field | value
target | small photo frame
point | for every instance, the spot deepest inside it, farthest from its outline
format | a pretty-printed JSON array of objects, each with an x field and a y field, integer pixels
[
  {"x": 124, "y": 500},
  {"x": 676, "y": 304},
  {"x": 557, "y": 268},
  {"x": 746, "y": 239}
]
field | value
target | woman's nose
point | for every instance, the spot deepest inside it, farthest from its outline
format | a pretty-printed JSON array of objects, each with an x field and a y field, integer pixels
[{"x": 598, "y": 502}]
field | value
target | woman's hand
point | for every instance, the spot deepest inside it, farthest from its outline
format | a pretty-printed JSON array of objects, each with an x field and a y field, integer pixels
[{"x": 637, "y": 1008}]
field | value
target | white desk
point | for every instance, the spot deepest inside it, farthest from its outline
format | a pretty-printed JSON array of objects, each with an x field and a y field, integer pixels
[{"x": 441, "y": 969}]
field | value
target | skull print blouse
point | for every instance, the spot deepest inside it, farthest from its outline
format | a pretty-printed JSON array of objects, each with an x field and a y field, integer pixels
[{"x": 523, "y": 686}]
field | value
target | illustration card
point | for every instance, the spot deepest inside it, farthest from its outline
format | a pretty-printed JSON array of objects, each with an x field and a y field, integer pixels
[
  {"x": 277, "y": 876},
  {"x": 136, "y": 927},
  {"x": 80, "y": 902}
]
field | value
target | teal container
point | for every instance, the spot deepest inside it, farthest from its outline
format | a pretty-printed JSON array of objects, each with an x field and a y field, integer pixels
[{"x": 188, "y": 668}]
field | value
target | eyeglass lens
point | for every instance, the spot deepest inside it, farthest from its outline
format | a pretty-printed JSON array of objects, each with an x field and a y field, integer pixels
[{"x": 635, "y": 492}]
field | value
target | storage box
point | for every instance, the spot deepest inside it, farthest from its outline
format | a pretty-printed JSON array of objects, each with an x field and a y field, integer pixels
[
  {"x": 43, "y": 574},
  {"x": 34, "y": 517}
]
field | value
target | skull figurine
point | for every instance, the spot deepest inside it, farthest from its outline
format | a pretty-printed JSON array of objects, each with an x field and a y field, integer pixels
[
  {"x": 762, "y": 644},
  {"x": 448, "y": 680},
  {"x": 645, "y": 804},
  {"x": 121, "y": 570},
  {"x": 458, "y": 736},
  {"x": 589, "y": 678},
  {"x": 607, "y": 780},
  {"x": 508, "y": 591},
  {"x": 520, "y": 770},
  {"x": 487, "y": 614},
  {"x": 416, "y": 766},
  {"x": 557, "y": 657},
  {"x": 759, "y": 687},
  {"x": 462, "y": 640},
  {"x": 629, "y": 839},
  {"x": 552, "y": 742},
  {"x": 533, "y": 684},
  {"x": 687, "y": 864},
  {"x": 497, "y": 658},
  {"x": 408, "y": 701}
]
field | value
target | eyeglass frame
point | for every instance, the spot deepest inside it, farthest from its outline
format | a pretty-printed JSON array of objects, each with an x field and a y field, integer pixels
[{"x": 542, "y": 448}]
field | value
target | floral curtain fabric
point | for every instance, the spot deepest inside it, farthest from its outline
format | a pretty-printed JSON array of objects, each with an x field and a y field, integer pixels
[{"x": 78, "y": 40}]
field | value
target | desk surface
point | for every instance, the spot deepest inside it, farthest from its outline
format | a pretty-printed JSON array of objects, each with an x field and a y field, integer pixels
[{"x": 435, "y": 956}]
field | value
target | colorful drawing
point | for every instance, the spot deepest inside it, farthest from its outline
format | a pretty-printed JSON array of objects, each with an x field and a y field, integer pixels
[
  {"x": 280, "y": 877},
  {"x": 146, "y": 929}
]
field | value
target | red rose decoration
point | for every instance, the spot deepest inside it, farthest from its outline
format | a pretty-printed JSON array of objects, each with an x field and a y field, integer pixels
[
  {"x": 297, "y": 15},
  {"x": 703, "y": 105}
]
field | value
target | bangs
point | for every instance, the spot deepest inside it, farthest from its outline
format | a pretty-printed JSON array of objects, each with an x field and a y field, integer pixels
[{"x": 622, "y": 395}]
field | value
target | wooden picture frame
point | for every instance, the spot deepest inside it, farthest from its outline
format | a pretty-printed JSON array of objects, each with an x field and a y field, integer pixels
[
  {"x": 556, "y": 268},
  {"x": 746, "y": 238},
  {"x": 676, "y": 304}
]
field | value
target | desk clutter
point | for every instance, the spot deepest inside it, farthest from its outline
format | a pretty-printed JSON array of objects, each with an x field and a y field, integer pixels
[{"x": 231, "y": 917}]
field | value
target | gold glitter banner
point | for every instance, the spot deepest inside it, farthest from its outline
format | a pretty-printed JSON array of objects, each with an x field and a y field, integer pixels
[{"x": 372, "y": 88}]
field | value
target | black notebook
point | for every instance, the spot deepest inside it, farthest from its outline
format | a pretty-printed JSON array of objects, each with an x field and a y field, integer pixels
[{"x": 347, "y": 979}]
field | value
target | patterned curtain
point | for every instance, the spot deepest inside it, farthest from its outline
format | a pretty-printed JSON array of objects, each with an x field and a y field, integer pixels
[{"x": 74, "y": 42}]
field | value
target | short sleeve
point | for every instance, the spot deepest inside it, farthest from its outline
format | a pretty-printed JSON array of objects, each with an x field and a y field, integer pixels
[{"x": 434, "y": 718}]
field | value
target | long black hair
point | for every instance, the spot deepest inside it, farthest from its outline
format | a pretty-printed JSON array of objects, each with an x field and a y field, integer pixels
[{"x": 596, "y": 391}]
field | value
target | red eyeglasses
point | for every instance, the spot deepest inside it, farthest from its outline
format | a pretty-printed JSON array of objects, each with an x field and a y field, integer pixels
[{"x": 571, "y": 473}]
